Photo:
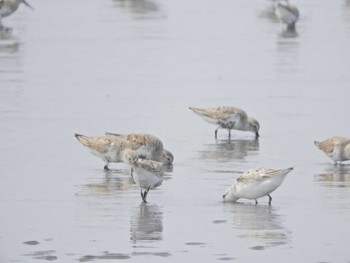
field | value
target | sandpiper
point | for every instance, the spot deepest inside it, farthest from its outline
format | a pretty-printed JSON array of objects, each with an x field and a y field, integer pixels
[
  {"x": 147, "y": 174},
  {"x": 148, "y": 146},
  {"x": 337, "y": 148},
  {"x": 256, "y": 183},
  {"x": 110, "y": 148},
  {"x": 228, "y": 117},
  {"x": 287, "y": 14}
]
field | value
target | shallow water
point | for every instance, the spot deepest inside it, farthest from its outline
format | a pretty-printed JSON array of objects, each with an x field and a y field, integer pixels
[{"x": 136, "y": 66}]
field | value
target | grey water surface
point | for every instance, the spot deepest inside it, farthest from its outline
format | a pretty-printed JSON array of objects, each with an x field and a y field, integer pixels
[{"x": 95, "y": 66}]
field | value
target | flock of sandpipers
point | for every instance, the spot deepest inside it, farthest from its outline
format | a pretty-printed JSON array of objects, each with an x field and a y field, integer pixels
[
  {"x": 147, "y": 156},
  {"x": 286, "y": 13}
]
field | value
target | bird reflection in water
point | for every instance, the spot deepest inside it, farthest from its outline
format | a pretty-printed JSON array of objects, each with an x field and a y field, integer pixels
[
  {"x": 334, "y": 177},
  {"x": 346, "y": 13},
  {"x": 113, "y": 182},
  {"x": 227, "y": 150},
  {"x": 287, "y": 55},
  {"x": 138, "y": 6},
  {"x": 146, "y": 224},
  {"x": 8, "y": 42},
  {"x": 288, "y": 33},
  {"x": 259, "y": 224}
]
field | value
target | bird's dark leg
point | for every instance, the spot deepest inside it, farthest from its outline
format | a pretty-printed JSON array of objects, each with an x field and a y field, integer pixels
[
  {"x": 106, "y": 167},
  {"x": 270, "y": 199},
  {"x": 146, "y": 193},
  {"x": 257, "y": 135},
  {"x": 216, "y": 133},
  {"x": 229, "y": 133},
  {"x": 256, "y": 202},
  {"x": 132, "y": 172},
  {"x": 143, "y": 195}
]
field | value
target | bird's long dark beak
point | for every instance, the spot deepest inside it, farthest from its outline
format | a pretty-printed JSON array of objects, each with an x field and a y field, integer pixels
[{"x": 26, "y": 3}]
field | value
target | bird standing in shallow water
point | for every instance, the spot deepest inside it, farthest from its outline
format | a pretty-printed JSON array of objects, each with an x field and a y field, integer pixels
[
  {"x": 110, "y": 147},
  {"x": 337, "y": 148},
  {"x": 148, "y": 146},
  {"x": 146, "y": 174},
  {"x": 287, "y": 14},
  {"x": 8, "y": 7},
  {"x": 230, "y": 118},
  {"x": 255, "y": 183}
]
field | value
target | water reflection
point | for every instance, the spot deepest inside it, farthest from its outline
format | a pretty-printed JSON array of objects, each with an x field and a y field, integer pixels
[
  {"x": 288, "y": 33},
  {"x": 138, "y": 6},
  {"x": 112, "y": 183},
  {"x": 146, "y": 224},
  {"x": 9, "y": 45},
  {"x": 227, "y": 150},
  {"x": 11, "y": 69},
  {"x": 346, "y": 12},
  {"x": 8, "y": 42},
  {"x": 287, "y": 55},
  {"x": 287, "y": 46},
  {"x": 334, "y": 176},
  {"x": 258, "y": 223}
]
